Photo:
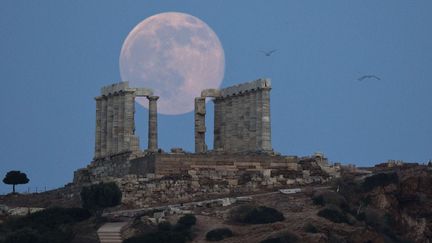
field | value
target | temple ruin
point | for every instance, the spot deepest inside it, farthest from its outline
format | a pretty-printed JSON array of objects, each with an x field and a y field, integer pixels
[
  {"x": 241, "y": 118},
  {"x": 242, "y": 159},
  {"x": 115, "y": 120}
]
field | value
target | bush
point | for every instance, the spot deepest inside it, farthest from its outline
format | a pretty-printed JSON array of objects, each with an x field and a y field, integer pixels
[
  {"x": 50, "y": 225},
  {"x": 330, "y": 198},
  {"x": 310, "y": 228},
  {"x": 51, "y": 218},
  {"x": 99, "y": 196},
  {"x": 25, "y": 235},
  {"x": 380, "y": 179},
  {"x": 318, "y": 200},
  {"x": 167, "y": 233},
  {"x": 333, "y": 214},
  {"x": 218, "y": 234},
  {"x": 164, "y": 226},
  {"x": 238, "y": 214},
  {"x": 187, "y": 220},
  {"x": 283, "y": 237},
  {"x": 256, "y": 215},
  {"x": 264, "y": 215},
  {"x": 159, "y": 237}
]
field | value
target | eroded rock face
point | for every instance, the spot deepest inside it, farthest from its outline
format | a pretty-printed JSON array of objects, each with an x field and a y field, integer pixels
[
  {"x": 403, "y": 207},
  {"x": 415, "y": 204},
  {"x": 3, "y": 210}
]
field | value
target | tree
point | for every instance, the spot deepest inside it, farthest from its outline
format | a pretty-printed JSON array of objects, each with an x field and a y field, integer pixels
[
  {"x": 15, "y": 177},
  {"x": 100, "y": 196}
]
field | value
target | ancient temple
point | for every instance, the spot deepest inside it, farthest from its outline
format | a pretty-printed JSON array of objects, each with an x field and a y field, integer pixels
[{"x": 242, "y": 141}]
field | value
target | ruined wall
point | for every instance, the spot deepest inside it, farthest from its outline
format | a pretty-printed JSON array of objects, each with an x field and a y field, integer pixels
[
  {"x": 233, "y": 164},
  {"x": 172, "y": 178},
  {"x": 97, "y": 170},
  {"x": 242, "y": 118},
  {"x": 201, "y": 182},
  {"x": 183, "y": 163}
]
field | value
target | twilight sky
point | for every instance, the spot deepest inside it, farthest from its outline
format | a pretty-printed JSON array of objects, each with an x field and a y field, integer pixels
[{"x": 56, "y": 54}]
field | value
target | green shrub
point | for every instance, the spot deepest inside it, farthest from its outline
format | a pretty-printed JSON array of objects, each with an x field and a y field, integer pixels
[
  {"x": 310, "y": 228},
  {"x": 333, "y": 214},
  {"x": 167, "y": 233},
  {"x": 238, "y": 214},
  {"x": 264, "y": 215},
  {"x": 52, "y": 225},
  {"x": 164, "y": 226},
  {"x": 380, "y": 179},
  {"x": 330, "y": 197},
  {"x": 335, "y": 238},
  {"x": 282, "y": 237},
  {"x": 24, "y": 235},
  {"x": 255, "y": 215},
  {"x": 187, "y": 220},
  {"x": 347, "y": 186},
  {"x": 99, "y": 196},
  {"x": 361, "y": 216},
  {"x": 50, "y": 218},
  {"x": 218, "y": 234},
  {"x": 159, "y": 237},
  {"x": 318, "y": 200}
]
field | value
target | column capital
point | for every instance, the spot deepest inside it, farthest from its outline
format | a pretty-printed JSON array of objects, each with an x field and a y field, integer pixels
[{"x": 152, "y": 97}]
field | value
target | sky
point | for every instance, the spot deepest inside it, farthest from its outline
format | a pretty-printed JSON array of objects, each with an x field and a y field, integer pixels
[{"x": 56, "y": 54}]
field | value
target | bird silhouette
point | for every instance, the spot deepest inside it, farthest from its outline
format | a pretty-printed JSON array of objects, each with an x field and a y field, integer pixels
[
  {"x": 368, "y": 77},
  {"x": 269, "y": 53}
]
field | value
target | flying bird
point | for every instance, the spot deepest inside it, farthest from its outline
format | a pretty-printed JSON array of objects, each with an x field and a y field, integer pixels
[
  {"x": 269, "y": 53},
  {"x": 368, "y": 77}
]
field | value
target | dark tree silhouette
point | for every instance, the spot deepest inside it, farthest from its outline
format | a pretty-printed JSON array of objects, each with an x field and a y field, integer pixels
[
  {"x": 15, "y": 177},
  {"x": 100, "y": 196}
]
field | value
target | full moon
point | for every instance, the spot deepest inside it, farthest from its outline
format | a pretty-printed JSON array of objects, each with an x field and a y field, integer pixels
[{"x": 175, "y": 54}]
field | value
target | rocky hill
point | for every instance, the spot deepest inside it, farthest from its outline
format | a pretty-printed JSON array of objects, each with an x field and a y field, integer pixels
[{"x": 387, "y": 205}]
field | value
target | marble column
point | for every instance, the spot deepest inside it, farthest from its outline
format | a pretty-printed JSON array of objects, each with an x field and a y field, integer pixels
[
  {"x": 217, "y": 137},
  {"x": 103, "y": 132},
  {"x": 98, "y": 127},
  {"x": 121, "y": 119},
  {"x": 200, "y": 128},
  {"x": 115, "y": 123},
  {"x": 110, "y": 116},
  {"x": 152, "y": 129},
  {"x": 128, "y": 123},
  {"x": 266, "y": 123}
]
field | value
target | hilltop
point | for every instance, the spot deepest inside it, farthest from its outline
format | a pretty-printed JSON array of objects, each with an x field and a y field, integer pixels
[{"x": 392, "y": 204}]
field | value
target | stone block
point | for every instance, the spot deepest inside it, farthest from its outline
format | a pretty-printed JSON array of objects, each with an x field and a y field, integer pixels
[
  {"x": 232, "y": 182},
  {"x": 210, "y": 93}
]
